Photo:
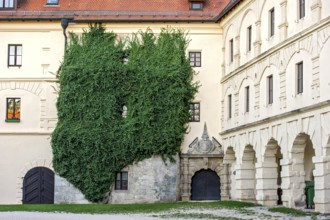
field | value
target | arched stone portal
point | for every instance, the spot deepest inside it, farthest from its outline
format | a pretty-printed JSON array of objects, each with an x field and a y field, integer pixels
[
  {"x": 203, "y": 159},
  {"x": 205, "y": 185}
]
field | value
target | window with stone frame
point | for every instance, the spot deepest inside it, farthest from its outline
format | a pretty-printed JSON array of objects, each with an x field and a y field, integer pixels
[
  {"x": 121, "y": 181},
  {"x": 270, "y": 91},
  {"x": 195, "y": 59},
  {"x": 13, "y": 113},
  {"x": 247, "y": 99},
  {"x": 301, "y": 8},
  {"x": 249, "y": 38},
  {"x": 271, "y": 22},
  {"x": 14, "y": 54},
  {"x": 229, "y": 106},
  {"x": 231, "y": 50},
  {"x": 300, "y": 77},
  {"x": 194, "y": 111}
]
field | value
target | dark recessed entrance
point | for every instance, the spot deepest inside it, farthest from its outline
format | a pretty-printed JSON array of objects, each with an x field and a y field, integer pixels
[
  {"x": 38, "y": 186},
  {"x": 205, "y": 185}
]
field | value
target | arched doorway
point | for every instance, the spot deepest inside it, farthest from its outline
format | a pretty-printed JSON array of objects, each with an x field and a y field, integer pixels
[
  {"x": 205, "y": 185},
  {"x": 38, "y": 186}
]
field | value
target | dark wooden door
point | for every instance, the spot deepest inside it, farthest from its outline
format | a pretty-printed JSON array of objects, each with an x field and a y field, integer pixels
[
  {"x": 38, "y": 186},
  {"x": 205, "y": 186}
]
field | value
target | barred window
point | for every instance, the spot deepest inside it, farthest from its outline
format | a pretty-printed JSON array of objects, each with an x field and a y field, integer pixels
[
  {"x": 194, "y": 112},
  {"x": 195, "y": 59}
]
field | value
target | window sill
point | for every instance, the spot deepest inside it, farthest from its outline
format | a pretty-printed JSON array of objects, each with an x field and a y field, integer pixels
[{"x": 13, "y": 120}]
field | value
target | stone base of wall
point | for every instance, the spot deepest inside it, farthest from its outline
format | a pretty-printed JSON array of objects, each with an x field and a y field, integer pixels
[
  {"x": 151, "y": 180},
  {"x": 66, "y": 193}
]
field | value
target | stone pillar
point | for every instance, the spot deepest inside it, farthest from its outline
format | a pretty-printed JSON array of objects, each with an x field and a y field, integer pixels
[
  {"x": 266, "y": 177},
  {"x": 225, "y": 182},
  {"x": 322, "y": 182},
  {"x": 257, "y": 100},
  {"x": 237, "y": 55},
  {"x": 282, "y": 90},
  {"x": 284, "y": 23},
  {"x": 316, "y": 78},
  {"x": 245, "y": 182},
  {"x": 286, "y": 186},
  {"x": 257, "y": 43},
  {"x": 185, "y": 180},
  {"x": 316, "y": 11}
]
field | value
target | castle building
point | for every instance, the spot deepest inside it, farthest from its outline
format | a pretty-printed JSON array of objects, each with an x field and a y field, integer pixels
[{"x": 260, "y": 126}]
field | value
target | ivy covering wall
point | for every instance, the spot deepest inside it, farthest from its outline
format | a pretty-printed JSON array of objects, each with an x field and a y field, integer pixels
[{"x": 93, "y": 140}]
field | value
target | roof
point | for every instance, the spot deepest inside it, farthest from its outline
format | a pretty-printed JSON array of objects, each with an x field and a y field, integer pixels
[{"x": 115, "y": 10}]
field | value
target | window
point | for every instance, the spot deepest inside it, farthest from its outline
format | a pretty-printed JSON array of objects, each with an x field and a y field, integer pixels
[
  {"x": 301, "y": 9},
  {"x": 229, "y": 106},
  {"x": 121, "y": 181},
  {"x": 4, "y": 4},
  {"x": 194, "y": 110},
  {"x": 231, "y": 48},
  {"x": 51, "y": 2},
  {"x": 249, "y": 39},
  {"x": 247, "y": 99},
  {"x": 13, "y": 109},
  {"x": 271, "y": 22},
  {"x": 300, "y": 79},
  {"x": 270, "y": 89},
  {"x": 195, "y": 59},
  {"x": 196, "y": 6},
  {"x": 14, "y": 54}
]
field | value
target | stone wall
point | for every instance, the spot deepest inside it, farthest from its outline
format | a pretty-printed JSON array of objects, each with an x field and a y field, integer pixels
[
  {"x": 66, "y": 193},
  {"x": 149, "y": 181}
]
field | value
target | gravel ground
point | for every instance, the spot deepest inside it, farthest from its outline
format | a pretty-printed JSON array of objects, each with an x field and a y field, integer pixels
[{"x": 254, "y": 213}]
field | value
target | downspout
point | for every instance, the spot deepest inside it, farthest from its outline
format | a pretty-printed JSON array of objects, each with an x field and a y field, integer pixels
[{"x": 65, "y": 24}]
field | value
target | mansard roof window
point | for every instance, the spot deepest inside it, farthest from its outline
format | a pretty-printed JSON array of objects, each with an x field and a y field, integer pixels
[
  {"x": 6, "y": 4},
  {"x": 51, "y": 2},
  {"x": 196, "y": 4}
]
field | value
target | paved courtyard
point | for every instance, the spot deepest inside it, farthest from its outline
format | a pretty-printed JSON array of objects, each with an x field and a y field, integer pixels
[{"x": 254, "y": 213}]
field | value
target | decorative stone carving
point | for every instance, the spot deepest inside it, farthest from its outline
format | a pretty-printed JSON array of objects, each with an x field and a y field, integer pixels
[{"x": 205, "y": 145}]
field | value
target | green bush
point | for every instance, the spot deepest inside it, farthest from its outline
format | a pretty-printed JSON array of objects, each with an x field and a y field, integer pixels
[{"x": 92, "y": 140}]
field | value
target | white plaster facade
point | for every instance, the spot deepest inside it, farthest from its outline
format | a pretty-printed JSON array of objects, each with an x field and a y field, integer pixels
[
  {"x": 295, "y": 125},
  {"x": 277, "y": 145}
]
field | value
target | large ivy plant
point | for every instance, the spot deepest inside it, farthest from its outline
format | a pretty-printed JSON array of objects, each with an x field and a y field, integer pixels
[{"x": 93, "y": 139}]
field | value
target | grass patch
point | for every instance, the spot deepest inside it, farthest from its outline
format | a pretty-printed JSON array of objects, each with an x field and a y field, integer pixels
[
  {"x": 295, "y": 212},
  {"x": 125, "y": 208}
]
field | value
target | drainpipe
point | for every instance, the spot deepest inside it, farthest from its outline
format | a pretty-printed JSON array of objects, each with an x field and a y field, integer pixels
[{"x": 65, "y": 24}]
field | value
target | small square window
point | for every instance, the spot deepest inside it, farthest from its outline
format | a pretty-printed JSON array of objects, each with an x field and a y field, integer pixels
[
  {"x": 196, "y": 6},
  {"x": 195, "y": 59},
  {"x": 52, "y": 2},
  {"x": 14, "y": 54},
  {"x": 13, "y": 110},
  {"x": 194, "y": 111},
  {"x": 121, "y": 181}
]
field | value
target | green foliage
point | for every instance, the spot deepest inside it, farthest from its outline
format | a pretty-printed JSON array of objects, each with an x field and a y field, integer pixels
[{"x": 92, "y": 140}]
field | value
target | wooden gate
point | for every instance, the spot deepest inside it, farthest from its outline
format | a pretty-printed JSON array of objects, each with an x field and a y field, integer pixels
[
  {"x": 38, "y": 186},
  {"x": 205, "y": 185}
]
